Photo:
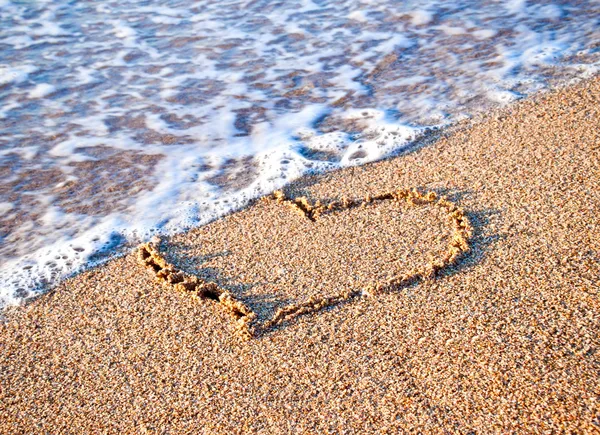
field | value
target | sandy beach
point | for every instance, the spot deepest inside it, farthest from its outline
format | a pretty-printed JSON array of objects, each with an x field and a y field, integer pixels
[{"x": 502, "y": 339}]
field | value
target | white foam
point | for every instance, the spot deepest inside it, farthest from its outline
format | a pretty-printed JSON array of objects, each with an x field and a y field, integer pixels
[
  {"x": 420, "y": 17},
  {"x": 484, "y": 33},
  {"x": 41, "y": 90},
  {"x": 122, "y": 30},
  {"x": 552, "y": 12},
  {"x": 501, "y": 96},
  {"x": 452, "y": 30},
  {"x": 165, "y": 20},
  {"x": 15, "y": 73},
  {"x": 18, "y": 42},
  {"x": 516, "y": 6},
  {"x": 47, "y": 25},
  {"x": 85, "y": 75},
  {"x": 358, "y": 16}
]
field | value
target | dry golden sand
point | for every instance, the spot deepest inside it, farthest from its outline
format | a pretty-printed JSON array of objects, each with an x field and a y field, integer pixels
[{"x": 504, "y": 341}]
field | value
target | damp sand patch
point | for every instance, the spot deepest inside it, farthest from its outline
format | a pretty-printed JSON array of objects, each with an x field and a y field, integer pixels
[{"x": 317, "y": 255}]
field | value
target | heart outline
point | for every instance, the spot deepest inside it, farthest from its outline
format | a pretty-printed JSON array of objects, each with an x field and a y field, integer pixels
[{"x": 247, "y": 325}]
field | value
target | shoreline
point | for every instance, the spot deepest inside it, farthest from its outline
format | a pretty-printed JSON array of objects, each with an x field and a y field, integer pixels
[
  {"x": 430, "y": 137},
  {"x": 503, "y": 340}
]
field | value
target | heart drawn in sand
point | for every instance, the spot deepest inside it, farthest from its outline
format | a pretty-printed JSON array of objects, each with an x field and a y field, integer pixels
[{"x": 248, "y": 322}]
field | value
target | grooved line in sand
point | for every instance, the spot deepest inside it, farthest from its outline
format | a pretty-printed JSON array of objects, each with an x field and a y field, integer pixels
[{"x": 247, "y": 324}]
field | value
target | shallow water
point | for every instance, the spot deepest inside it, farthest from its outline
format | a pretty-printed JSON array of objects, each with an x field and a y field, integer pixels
[{"x": 122, "y": 119}]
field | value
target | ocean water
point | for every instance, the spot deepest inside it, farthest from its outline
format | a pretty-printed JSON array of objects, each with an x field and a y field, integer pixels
[{"x": 120, "y": 120}]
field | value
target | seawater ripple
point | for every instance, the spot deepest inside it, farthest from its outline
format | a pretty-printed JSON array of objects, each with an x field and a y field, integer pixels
[{"x": 122, "y": 119}]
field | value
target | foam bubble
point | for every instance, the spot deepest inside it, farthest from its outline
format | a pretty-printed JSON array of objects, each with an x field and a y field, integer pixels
[
  {"x": 15, "y": 73},
  {"x": 420, "y": 17},
  {"x": 122, "y": 30},
  {"x": 358, "y": 16},
  {"x": 41, "y": 90}
]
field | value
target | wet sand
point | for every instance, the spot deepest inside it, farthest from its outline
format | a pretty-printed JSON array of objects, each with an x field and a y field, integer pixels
[{"x": 503, "y": 339}]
